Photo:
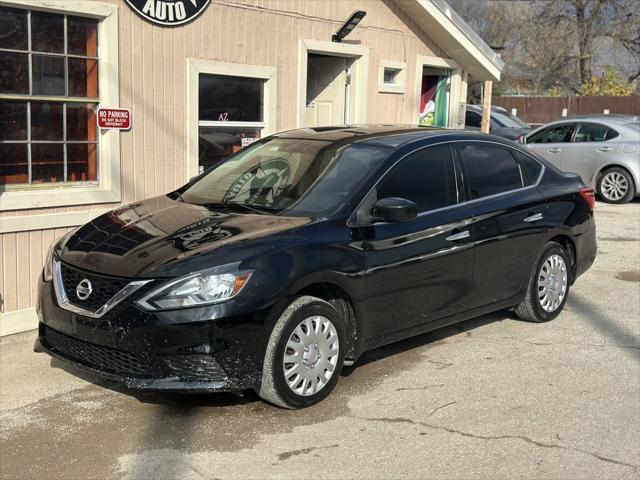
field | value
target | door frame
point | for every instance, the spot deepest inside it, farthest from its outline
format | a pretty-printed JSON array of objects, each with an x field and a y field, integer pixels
[
  {"x": 359, "y": 76},
  {"x": 457, "y": 88}
]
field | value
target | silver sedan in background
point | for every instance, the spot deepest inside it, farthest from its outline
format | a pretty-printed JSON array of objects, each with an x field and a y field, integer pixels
[{"x": 603, "y": 149}]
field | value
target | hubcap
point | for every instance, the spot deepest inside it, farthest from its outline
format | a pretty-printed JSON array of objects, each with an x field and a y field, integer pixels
[
  {"x": 311, "y": 355},
  {"x": 614, "y": 186},
  {"x": 552, "y": 283}
]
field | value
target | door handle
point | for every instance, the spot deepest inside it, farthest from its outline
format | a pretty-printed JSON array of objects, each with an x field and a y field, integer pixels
[
  {"x": 458, "y": 236},
  {"x": 604, "y": 149},
  {"x": 534, "y": 218},
  {"x": 554, "y": 150}
]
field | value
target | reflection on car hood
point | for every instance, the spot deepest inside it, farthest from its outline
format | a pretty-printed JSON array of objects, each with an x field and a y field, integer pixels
[{"x": 138, "y": 239}]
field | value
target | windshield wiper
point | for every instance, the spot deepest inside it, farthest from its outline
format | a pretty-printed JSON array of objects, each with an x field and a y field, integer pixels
[{"x": 259, "y": 209}]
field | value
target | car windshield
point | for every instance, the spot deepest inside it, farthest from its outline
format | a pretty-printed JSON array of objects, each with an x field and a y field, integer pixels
[
  {"x": 508, "y": 120},
  {"x": 298, "y": 177}
]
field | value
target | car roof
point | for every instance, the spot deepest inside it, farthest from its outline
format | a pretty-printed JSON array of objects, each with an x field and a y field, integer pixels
[
  {"x": 390, "y": 136},
  {"x": 601, "y": 117}
]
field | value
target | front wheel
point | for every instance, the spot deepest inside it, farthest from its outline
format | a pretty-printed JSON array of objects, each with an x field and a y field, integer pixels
[
  {"x": 304, "y": 355},
  {"x": 548, "y": 287},
  {"x": 616, "y": 186}
]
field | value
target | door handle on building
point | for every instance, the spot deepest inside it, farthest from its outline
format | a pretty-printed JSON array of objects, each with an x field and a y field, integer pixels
[
  {"x": 534, "y": 218},
  {"x": 554, "y": 150},
  {"x": 458, "y": 236}
]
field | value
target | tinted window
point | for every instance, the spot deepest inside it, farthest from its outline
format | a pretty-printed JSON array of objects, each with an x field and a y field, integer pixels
[
  {"x": 425, "y": 177},
  {"x": 490, "y": 170},
  {"x": 555, "y": 134},
  {"x": 611, "y": 134},
  {"x": 233, "y": 99},
  {"x": 472, "y": 119},
  {"x": 530, "y": 168},
  {"x": 590, "y": 132}
]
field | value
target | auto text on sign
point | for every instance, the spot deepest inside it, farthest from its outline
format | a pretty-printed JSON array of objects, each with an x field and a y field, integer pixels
[{"x": 118, "y": 118}]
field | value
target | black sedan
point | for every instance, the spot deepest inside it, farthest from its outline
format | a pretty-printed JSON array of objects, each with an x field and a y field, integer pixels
[{"x": 274, "y": 269}]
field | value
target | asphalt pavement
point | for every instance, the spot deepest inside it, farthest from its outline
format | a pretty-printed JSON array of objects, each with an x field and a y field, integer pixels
[{"x": 490, "y": 398}]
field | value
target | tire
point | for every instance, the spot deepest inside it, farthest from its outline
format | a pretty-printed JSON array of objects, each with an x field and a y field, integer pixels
[
  {"x": 616, "y": 185},
  {"x": 538, "y": 307},
  {"x": 327, "y": 334}
]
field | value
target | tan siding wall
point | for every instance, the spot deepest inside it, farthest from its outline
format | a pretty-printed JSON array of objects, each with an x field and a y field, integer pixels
[{"x": 153, "y": 85}]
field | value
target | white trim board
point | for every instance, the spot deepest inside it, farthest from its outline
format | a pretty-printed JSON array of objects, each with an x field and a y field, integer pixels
[
  {"x": 18, "y": 321},
  {"x": 46, "y": 221}
]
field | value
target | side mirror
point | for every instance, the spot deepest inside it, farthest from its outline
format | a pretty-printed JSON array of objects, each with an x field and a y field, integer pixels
[{"x": 395, "y": 210}]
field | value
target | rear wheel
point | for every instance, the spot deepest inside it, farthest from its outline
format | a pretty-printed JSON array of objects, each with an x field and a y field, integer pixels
[
  {"x": 305, "y": 354},
  {"x": 548, "y": 287},
  {"x": 616, "y": 186}
]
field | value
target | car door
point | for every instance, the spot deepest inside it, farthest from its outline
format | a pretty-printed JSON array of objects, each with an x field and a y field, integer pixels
[
  {"x": 508, "y": 213},
  {"x": 588, "y": 150},
  {"x": 419, "y": 271},
  {"x": 551, "y": 141}
]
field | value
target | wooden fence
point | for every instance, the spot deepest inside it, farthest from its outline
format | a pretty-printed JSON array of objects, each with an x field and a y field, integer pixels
[{"x": 545, "y": 109}]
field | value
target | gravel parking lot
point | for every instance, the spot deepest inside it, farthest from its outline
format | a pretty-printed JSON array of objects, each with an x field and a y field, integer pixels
[{"x": 490, "y": 398}]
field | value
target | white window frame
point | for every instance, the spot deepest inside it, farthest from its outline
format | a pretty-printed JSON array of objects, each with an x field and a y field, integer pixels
[
  {"x": 196, "y": 66},
  {"x": 401, "y": 77},
  {"x": 108, "y": 189}
]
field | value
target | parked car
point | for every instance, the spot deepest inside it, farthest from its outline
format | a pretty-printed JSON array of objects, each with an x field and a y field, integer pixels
[
  {"x": 290, "y": 259},
  {"x": 502, "y": 124},
  {"x": 603, "y": 149}
]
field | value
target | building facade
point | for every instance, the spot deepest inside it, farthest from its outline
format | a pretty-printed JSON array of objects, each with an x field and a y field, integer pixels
[{"x": 197, "y": 91}]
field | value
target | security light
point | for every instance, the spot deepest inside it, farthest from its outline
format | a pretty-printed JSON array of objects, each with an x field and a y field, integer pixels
[{"x": 349, "y": 25}]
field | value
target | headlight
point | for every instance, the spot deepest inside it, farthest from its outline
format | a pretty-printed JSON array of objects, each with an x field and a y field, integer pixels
[
  {"x": 47, "y": 274},
  {"x": 214, "y": 285}
]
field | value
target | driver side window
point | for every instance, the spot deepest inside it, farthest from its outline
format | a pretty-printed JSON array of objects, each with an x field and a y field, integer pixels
[
  {"x": 425, "y": 177},
  {"x": 554, "y": 134}
]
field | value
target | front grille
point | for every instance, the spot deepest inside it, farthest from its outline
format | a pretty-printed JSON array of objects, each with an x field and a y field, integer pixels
[
  {"x": 186, "y": 367},
  {"x": 96, "y": 356},
  {"x": 103, "y": 288}
]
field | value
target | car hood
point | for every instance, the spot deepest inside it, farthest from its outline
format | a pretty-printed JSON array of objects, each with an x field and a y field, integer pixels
[{"x": 149, "y": 238}]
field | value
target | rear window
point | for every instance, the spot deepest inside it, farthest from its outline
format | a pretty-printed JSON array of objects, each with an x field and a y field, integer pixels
[
  {"x": 490, "y": 170},
  {"x": 530, "y": 168}
]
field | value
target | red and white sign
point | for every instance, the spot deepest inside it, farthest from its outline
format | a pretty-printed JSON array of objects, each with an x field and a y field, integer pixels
[{"x": 117, "y": 118}]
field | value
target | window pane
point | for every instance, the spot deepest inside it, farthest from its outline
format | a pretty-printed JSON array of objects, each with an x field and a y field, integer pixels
[
  {"x": 48, "y": 75},
  {"x": 425, "y": 177},
  {"x": 82, "y": 36},
  {"x": 215, "y": 144},
  {"x": 235, "y": 99},
  {"x": 14, "y": 167},
  {"x": 47, "y": 163},
  {"x": 611, "y": 134},
  {"x": 83, "y": 78},
  {"x": 46, "y": 121},
  {"x": 14, "y": 72},
  {"x": 13, "y": 120},
  {"x": 530, "y": 168},
  {"x": 81, "y": 122},
  {"x": 13, "y": 29},
  {"x": 390, "y": 75},
  {"x": 554, "y": 134},
  {"x": 82, "y": 164},
  {"x": 472, "y": 119},
  {"x": 590, "y": 132},
  {"x": 490, "y": 170},
  {"x": 47, "y": 32}
]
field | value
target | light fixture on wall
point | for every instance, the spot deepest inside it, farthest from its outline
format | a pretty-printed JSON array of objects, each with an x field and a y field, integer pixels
[{"x": 355, "y": 18}]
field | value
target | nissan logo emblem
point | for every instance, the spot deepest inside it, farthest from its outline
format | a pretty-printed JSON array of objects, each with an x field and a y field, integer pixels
[{"x": 84, "y": 289}]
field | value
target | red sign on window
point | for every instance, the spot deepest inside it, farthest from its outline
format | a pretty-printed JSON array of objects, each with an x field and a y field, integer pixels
[{"x": 118, "y": 118}]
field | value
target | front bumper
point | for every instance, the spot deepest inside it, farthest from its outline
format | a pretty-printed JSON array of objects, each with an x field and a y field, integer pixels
[{"x": 165, "y": 351}]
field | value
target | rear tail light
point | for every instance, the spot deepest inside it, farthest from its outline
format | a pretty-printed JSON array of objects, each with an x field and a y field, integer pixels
[{"x": 589, "y": 196}]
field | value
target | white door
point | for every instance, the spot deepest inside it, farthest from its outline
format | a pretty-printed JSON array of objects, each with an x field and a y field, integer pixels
[{"x": 326, "y": 90}]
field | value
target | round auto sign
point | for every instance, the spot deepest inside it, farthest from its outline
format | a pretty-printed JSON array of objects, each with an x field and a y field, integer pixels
[{"x": 169, "y": 12}]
